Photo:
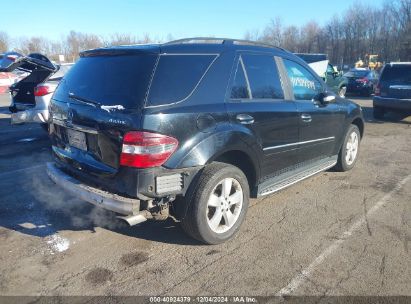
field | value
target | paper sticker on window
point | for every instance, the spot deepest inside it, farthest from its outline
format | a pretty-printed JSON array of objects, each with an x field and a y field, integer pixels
[{"x": 303, "y": 82}]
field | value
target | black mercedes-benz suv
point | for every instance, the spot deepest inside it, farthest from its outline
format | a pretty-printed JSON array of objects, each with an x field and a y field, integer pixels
[{"x": 193, "y": 128}]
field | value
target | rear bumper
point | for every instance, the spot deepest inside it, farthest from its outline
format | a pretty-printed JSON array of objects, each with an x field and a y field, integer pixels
[
  {"x": 358, "y": 89},
  {"x": 92, "y": 195},
  {"x": 141, "y": 184},
  {"x": 32, "y": 115},
  {"x": 392, "y": 103}
]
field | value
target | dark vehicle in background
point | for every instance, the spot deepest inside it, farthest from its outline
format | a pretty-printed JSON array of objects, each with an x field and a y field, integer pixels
[
  {"x": 30, "y": 96},
  {"x": 393, "y": 91},
  {"x": 194, "y": 127},
  {"x": 361, "y": 81}
]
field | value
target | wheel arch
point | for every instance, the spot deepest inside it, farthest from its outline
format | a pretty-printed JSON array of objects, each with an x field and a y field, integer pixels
[
  {"x": 360, "y": 124},
  {"x": 243, "y": 161}
]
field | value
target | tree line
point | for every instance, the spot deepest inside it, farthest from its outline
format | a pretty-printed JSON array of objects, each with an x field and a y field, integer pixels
[
  {"x": 70, "y": 45},
  {"x": 345, "y": 38}
]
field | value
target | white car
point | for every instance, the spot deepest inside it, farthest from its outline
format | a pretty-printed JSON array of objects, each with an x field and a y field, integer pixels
[{"x": 30, "y": 97}]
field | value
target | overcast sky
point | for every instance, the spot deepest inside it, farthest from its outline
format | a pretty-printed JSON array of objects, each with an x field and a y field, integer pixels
[{"x": 223, "y": 18}]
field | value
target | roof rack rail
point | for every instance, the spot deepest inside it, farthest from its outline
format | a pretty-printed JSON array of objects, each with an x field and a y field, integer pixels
[
  {"x": 213, "y": 40},
  {"x": 210, "y": 40}
]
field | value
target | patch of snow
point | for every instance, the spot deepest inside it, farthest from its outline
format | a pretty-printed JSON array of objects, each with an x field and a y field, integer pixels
[
  {"x": 28, "y": 225},
  {"x": 109, "y": 108},
  {"x": 58, "y": 243}
]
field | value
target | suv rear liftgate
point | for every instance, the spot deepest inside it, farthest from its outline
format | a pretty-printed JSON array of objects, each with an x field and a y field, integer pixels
[
  {"x": 95, "y": 112},
  {"x": 39, "y": 68}
]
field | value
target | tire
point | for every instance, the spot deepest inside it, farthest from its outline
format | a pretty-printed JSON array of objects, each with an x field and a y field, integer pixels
[
  {"x": 208, "y": 223},
  {"x": 342, "y": 91},
  {"x": 378, "y": 112},
  {"x": 347, "y": 162}
]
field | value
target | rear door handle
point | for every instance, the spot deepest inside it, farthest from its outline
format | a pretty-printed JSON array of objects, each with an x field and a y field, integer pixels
[
  {"x": 306, "y": 117},
  {"x": 245, "y": 119}
]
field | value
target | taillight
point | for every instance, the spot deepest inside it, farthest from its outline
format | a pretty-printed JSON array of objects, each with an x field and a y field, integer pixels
[
  {"x": 42, "y": 90},
  {"x": 12, "y": 57},
  {"x": 362, "y": 80},
  {"x": 377, "y": 90},
  {"x": 146, "y": 150}
]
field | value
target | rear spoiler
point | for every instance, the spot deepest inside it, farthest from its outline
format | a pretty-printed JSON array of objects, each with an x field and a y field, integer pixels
[{"x": 123, "y": 50}]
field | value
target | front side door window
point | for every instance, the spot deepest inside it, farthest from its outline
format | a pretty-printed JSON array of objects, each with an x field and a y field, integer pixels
[{"x": 305, "y": 86}]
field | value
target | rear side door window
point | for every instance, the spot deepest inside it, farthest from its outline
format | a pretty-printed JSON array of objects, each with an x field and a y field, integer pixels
[
  {"x": 304, "y": 84},
  {"x": 240, "y": 88},
  {"x": 177, "y": 76},
  {"x": 256, "y": 78}
]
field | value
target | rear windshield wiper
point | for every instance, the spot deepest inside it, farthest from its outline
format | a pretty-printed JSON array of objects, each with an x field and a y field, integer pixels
[{"x": 84, "y": 100}]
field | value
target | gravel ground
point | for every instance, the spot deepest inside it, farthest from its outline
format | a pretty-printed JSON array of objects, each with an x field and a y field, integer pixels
[{"x": 333, "y": 234}]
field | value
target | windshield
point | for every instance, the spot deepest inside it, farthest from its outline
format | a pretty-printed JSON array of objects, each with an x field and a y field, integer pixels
[
  {"x": 359, "y": 73},
  {"x": 109, "y": 80}
]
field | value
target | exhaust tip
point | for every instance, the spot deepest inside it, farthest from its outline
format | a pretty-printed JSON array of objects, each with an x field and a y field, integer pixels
[{"x": 133, "y": 219}]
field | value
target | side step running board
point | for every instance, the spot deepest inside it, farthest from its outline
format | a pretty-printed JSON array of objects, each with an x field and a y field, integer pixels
[{"x": 290, "y": 180}]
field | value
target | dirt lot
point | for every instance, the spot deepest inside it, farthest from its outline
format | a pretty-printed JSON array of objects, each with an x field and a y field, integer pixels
[{"x": 333, "y": 234}]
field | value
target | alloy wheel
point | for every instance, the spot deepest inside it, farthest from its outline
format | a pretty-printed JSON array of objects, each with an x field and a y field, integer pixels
[
  {"x": 224, "y": 205},
  {"x": 351, "y": 148}
]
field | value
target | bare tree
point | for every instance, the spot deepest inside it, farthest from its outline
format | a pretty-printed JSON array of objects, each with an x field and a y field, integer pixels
[
  {"x": 291, "y": 37},
  {"x": 4, "y": 42},
  {"x": 310, "y": 33},
  {"x": 252, "y": 35},
  {"x": 33, "y": 45},
  {"x": 273, "y": 32},
  {"x": 121, "y": 39},
  {"x": 358, "y": 31},
  {"x": 77, "y": 42}
]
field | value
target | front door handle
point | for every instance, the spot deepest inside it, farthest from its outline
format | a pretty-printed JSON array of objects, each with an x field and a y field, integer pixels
[
  {"x": 306, "y": 117},
  {"x": 245, "y": 119}
]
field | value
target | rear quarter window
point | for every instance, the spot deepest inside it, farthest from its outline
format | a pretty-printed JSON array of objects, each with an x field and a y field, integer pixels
[{"x": 176, "y": 77}]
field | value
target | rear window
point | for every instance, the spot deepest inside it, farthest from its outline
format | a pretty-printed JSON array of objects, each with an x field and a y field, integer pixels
[
  {"x": 109, "y": 80},
  {"x": 176, "y": 77},
  {"x": 356, "y": 73},
  {"x": 399, "y": 73}
]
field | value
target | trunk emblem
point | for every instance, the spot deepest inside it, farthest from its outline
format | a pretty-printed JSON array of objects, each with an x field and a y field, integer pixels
[{"x": 117, "y": 121}]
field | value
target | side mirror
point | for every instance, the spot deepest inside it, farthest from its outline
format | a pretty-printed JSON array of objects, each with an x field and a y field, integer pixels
[{"x": 325, "y": 98}]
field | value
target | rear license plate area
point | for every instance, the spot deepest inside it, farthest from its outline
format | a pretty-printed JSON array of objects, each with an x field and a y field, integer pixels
[{"x": 77, "y": 139}]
